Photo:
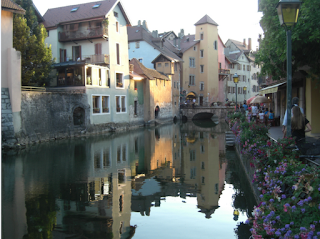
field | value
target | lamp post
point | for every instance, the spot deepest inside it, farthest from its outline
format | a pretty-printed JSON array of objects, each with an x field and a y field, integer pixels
[
  {"x": 288, "y": 12},
  {"x": 245, "y": 92},
  {"x": 236, "y": 80}
]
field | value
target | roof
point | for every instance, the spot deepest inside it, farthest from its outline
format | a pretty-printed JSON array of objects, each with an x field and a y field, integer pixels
[
  {"x": 56, "y": 16},
  {"x": 239, "y": 45},
  {"x": 8, "y": 5},
  {"x": 206, "y": 19},
  {"x": 151, "y": 74},
  {"x": 234, "y": 57},
  {"x": 138, "y": 33},
  {"x": 187, "y": 42}
]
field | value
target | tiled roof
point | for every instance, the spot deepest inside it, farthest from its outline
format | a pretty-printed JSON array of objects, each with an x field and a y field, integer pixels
[
  {"x": 151, "y": 74},
  {"x": 239, "y": 45},
  {"x": 8, "y": 5},
  {"x": 55, "y": 16},
  {"x": 187, "y": 42},
  {"x": 206, "y": 19},
  {"x": 138, "y": 33}
]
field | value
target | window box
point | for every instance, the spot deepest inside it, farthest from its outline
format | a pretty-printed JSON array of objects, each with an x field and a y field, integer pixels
[
  {"x": 105, "y": 110},
  {"x": 119, "y": 84},
  {"x": 96, "y": 110},
  {"x": 123, "y": 109},
  {"x": 118, "y": 109}
]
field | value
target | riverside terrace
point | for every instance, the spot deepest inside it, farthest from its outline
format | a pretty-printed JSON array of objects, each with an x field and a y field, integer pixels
[{"x": 287, "y": 189}]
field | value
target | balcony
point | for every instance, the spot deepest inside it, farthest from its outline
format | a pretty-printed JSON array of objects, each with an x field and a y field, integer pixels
[
  {"x": 224, "y": 71},
  {"x": 90, "y": 33},
  {"x": 97, "y": 59}
]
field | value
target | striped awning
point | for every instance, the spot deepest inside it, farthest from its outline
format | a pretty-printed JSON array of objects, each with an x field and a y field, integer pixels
[{"x": 271, "y": 89}]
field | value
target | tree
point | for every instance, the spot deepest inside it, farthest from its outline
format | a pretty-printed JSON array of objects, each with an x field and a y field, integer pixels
[
  {"x": 305, "y": 41},
  {"x": 28, "y": 38}
]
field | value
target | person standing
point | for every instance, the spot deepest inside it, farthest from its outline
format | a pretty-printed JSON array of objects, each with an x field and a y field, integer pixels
[
  {"x": 295, "y": 102},
  {"x": 299, "y": 125},
  {"x": 254, "y": 112}
]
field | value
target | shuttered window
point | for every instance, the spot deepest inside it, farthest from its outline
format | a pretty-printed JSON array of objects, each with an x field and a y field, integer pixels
[{"x": 97, "y": 49}]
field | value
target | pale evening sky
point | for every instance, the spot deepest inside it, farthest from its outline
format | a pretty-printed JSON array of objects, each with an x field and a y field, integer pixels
[{"x": 237, "y": 19}]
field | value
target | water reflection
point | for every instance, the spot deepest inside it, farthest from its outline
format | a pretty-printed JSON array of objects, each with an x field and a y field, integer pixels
[{"x": 92, "y": 187}]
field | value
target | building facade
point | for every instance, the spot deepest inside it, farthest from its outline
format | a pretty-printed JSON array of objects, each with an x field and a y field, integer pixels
[{"x": 92, "y": 54}]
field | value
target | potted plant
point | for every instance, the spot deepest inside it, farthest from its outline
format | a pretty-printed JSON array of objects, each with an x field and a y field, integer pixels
[
  {"x": 106, "y": 110},
  {"x": 96, "y": 110}
]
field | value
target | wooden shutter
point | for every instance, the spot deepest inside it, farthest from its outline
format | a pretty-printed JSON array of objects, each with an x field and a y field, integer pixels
[
  {"x": 118, "y": 54},
  {"x": 97, "y": 50}
]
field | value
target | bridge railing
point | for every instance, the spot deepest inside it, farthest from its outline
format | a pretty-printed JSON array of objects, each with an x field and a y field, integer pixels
[{"x": 190, "y": 105}]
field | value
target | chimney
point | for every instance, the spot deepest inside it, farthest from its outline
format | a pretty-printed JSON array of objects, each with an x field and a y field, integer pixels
[
  {"x": 155, "y": 33},
  {"x": 249, "y": 44},
  {"x": 145, "y": 26},
  {"x": 244, "y": 42},
  {"x": 139, "y": 23}
]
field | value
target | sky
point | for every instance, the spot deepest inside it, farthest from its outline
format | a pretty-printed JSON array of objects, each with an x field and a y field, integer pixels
[{"x": 237, "y": 19}]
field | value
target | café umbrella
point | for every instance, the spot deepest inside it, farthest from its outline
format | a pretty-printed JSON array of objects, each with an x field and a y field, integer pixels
[{"x": 260, "y": 99}]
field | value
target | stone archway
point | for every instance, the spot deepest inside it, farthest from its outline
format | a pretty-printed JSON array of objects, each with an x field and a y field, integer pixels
[
  {"x": 156, "y": 112},
  {"x": 79, "y": 116}
]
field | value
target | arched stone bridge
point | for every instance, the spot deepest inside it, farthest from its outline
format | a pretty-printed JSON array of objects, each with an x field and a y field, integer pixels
[{"x": 205, "y": 112}]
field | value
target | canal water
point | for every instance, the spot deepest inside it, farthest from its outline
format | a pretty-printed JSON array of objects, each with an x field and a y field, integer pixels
[{"x": 170, "y": 181}]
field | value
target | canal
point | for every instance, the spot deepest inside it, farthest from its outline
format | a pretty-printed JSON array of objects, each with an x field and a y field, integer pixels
[{"x": 170, "y": 181}]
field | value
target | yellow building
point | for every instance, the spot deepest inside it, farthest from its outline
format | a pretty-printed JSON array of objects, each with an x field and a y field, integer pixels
[{"x": 200, "y": 78}]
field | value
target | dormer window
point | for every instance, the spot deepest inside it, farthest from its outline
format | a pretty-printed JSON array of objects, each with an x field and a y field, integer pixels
[
  {"x": 115, "y": 14},
  {"x": 96, "y": 6},
  {"x": 74, "y": 9}
]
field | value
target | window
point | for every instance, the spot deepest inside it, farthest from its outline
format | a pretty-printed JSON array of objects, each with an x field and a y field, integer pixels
[
  {"x": 239, "y": 66},
  {"x": 174, "y": 84},
  {"x": 194, "y": 48},
  {"x": 219, "y": 65},
  {"x": 175, "y": 66},
  {"x": 159, "y": 64},
  {"x": 215, "y": 45},
  {"x": 201, "y": 36},
  {"x": 135, "y": 107},
  {"x": 105, "y": 104},
  {"x": 202, "y": 165},
  {"x": 202, "y": 86},
  {"x": 244, "y": 91},
  {"x": 119, "y": 80},
  {"x": 100, "y": 104},
  {"x": 118, "y": 53},
  {"x": 191, "y": 80},
  {"x": 201, "y": 68},
  {"x": 248, "y": 67},
  {"x": 63, "y": 55},
  {"x": 95, "y": 104},
  {"x": 120, "y": 104},
  {"x": 202, "y": 180},
  {"x": 244, "y": 78},
  {"x": 202, "y": 148},
  {"x": 96, "y": 6},
  {"x": 135, "y": 85},
  {"x": 201, "y": 53},
  {"x": 115, "y": 14},
  {"x": 192, "y": 155},
  {"x": 231, "y": 66},
  {"x": 76, "y": 53},
  {"x": 117, "y": 26},
  {"x": 244, "y": 67},
  {"x": 137, "y": 44},
  {"x": 192, "y": 62},
  {"x": 74, "y": 9},
  {"x": 166, "y": 64}
]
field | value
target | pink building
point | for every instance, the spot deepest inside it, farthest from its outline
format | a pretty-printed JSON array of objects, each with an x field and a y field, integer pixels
[{"x": 224, "y": 72}]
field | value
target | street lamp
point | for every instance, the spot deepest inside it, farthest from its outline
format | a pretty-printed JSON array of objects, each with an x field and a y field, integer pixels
[
  {"x": 288, "y": 12},
  {"x": 236, "y": 80},
  {"x": 245, "y": 92}
]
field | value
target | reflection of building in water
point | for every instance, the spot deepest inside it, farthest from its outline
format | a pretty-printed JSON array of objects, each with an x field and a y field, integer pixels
[
  {"x": 100, "y": 206},
  {"x": 203, "y": 168}
]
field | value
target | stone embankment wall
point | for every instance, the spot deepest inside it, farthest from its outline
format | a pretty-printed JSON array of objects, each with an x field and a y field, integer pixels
[
  {"x": 6, "y": 117},
  {"x": 49, "y": 116}
]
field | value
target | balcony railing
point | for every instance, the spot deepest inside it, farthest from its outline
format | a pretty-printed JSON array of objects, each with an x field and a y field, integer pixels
[
  {"x": 83, "y": 34},
  {"x": 95, "y": 59},
  {"x": 224, "y": 71}
]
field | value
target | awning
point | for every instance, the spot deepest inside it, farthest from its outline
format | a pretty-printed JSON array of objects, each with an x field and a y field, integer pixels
[{"x": 271, "y": 89}]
